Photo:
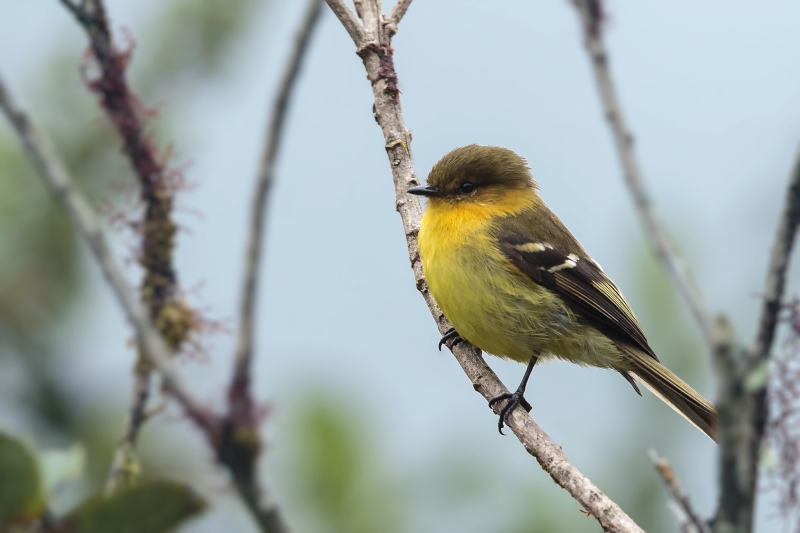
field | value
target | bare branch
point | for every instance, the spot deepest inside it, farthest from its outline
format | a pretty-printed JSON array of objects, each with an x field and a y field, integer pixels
[
  {"x": 54, "y": 173},
  {"x": 229, "y": 445},
  {"x": 743, "y": 374},
  {"x": 776, "y": 275},
  {"x": 737, "y": 469},
  {"x": 377, "y": 54},
  {"x": 688, "y": 519},
  {"x": 398, "y": 12},
  {"x": 158, "y": 228},
  {"x": 744, "y": 377},
  {"x": 591, "y": 18},
  {"x": 348, "y": 19},
  {"x": 218, "y": 432},
  {"x": 124, "y": 459},
  {"x": 242, "y": 418},
  {"x": 262, "y": 189},
  {"x": 548, "y": 453}
]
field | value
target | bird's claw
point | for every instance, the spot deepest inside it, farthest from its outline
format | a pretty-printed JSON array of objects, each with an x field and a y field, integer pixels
[
  {"x": 514, "y": 399},
  {"x": 451, "y": 334}
]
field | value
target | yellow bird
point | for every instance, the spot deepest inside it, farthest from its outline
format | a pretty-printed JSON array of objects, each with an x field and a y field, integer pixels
[{"x": 514, "y": 282}]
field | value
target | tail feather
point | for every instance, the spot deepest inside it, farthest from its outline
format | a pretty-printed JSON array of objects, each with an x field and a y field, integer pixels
[{"x": 675, "y": 393}]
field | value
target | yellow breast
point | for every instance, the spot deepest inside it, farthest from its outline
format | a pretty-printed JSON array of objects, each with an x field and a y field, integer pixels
[{"x": 489, "y": 303}]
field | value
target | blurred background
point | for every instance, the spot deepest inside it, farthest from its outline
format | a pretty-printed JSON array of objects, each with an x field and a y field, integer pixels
[{"x": 370, "y": 428}]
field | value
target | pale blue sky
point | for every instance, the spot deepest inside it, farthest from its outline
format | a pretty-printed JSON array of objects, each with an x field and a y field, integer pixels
[{"x": 711, "y": 90}]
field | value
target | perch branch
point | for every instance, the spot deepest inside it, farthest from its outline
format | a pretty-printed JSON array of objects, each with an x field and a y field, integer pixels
[
  {"x": 591, "y": 18},
  {"x": 373, "y": 45}
]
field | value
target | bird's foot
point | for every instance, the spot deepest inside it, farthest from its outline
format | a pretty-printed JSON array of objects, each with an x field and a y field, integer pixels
[
  {"x": 515, "y": 399},
  {"x": 451, "y": 334}
]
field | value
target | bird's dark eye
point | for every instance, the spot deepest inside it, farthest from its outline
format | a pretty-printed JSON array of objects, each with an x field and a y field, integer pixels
[{"x": 467, "y": 188}]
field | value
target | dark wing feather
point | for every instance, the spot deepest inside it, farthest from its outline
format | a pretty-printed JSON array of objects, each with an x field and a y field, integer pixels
[{"x": 582, "y": 285}]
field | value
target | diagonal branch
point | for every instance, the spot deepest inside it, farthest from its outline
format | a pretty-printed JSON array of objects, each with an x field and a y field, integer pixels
[
  {"x": 54, "y": 173},
  {"x": 399, "y": 11},
  {"x": 242, "y": 418},
  {"x": 348, "y": 19},
  {"x": 228, "y": 446},
  {"x": 759, "y": 356},
  {"x": 171, "y": 316},
  {"x": 377, "y": 53},
  {"x": 743, "y": 374},
  {"x": 779, "y": 262},
  {"x": 688, "y": 519},
  {"x": 591, "y": 18}
]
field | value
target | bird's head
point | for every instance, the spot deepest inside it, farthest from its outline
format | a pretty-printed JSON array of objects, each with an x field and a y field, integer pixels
[{"x": 477, "y": 175}]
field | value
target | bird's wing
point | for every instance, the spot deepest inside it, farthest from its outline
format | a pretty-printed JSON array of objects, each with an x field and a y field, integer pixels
[{"x": 580, "y": 282}]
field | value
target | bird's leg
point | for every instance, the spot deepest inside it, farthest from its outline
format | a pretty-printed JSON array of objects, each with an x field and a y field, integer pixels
[
  {"x": 451, "y": 334},
  {"x": 514, "y": 398}
]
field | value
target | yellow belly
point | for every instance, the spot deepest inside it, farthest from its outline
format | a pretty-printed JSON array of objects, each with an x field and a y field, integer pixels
[{"x": 494, "y": 306}]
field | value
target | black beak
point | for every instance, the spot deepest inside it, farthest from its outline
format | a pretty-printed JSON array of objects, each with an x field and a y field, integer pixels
[{"x": 424, "y": 190}]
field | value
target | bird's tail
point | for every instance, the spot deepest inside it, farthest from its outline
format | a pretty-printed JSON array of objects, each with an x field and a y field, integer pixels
[{"x": 675, "y": 393}]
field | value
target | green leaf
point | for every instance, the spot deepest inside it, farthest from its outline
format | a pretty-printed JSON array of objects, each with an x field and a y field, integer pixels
[
  {"x": 757, "y": 379},
  {"x": 20, "y": 487},
  {"x": 153, "y": 507}
]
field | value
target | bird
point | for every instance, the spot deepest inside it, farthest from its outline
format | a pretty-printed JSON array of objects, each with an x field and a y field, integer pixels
[{"x": 514, "y": 282}]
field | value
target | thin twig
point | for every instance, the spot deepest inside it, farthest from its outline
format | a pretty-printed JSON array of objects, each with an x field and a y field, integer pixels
[
  {"x": 123, "y": 464},
  {"x": 227, "y": 444},
  {"x": 377, "y": 54},
  {"x": 399, "y": 11},
  {"x": 592, "y": 18},
  {"x": 688, "y": 519},
  {"x": 261, "y": 193},
  {"x": 242, "y": 417},
  {"x": 348, "y": 19}
]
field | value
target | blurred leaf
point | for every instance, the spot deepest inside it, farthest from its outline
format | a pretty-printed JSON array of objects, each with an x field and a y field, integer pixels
[
  {"x": 62, "y": 466},
  {"x": 155, "y": 507},
  {"x": 20, "y": 488},
  {"x": 346, "y": 490},
  {"x": 37, "y": 246},
  {"x": 193, "y": 37},
  {"x": 758, "y": 377}
]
